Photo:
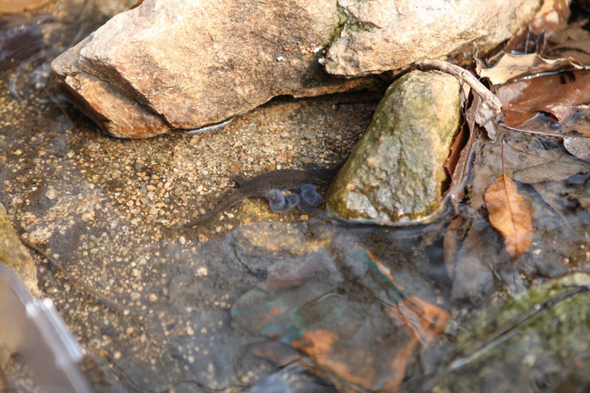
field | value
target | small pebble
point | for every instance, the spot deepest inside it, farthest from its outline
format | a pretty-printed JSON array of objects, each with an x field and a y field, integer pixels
[{"x": 51, "y": 193}]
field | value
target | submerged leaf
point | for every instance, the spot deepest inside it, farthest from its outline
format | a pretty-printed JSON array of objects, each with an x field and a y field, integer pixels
[
  {"x": 579, "y": 147},
  {"x": 467, "y": 258},
  {"x": 510, "y": 215},
  {"x": 516, "y": 66},
  {"x": 554, "y": 94}
]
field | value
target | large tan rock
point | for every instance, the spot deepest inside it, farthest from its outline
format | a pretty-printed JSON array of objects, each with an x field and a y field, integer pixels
[
  {"x": 383, "y": 35},
  {"x": 184, "y": 64}
]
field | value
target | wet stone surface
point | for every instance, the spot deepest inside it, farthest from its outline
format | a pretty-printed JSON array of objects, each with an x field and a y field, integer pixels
[{"x": 395, "y": 175}]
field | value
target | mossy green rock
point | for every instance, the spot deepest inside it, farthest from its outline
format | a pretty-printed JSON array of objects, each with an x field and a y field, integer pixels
[
  {"x": 395, "y": 174},
  {"x": 538, "y": 341}
]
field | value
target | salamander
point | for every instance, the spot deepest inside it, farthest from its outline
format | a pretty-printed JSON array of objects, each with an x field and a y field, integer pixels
[{"x": 263, "y": 186}]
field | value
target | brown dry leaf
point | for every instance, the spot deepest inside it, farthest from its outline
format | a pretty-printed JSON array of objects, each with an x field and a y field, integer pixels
[
  {"x": 574, "y": 32},
  {"x": 529, "y": 159},
  {"x": 458, "y": 145},
  {"x": 579, "y": 123},
  {"x": 552, "y": 16},
  {"x": 554, "y": 94},
  {"x": 459, "y": 164},
  {"x": 516, "y": 66},
  {"x": 510, "y": 215},
  {"x": 545, "y": 125},
  {"x": 571, "y": 42}
]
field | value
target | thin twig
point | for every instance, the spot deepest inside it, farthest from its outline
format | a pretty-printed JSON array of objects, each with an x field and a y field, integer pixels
[
  {"x": 489, "y": 98},
  {"x": 486, "y": 106},
  {"x": 501, "y": 124}
]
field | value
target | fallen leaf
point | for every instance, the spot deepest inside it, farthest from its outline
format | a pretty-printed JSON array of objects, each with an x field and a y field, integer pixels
[
  {"x": 571, "y": 42},
  {"x": 546, "y": 125},
  {"x": 517, "y": 66},
  {"x": 288, "y": 277},
  {"x": 528, "y": 158},
  {"x": 459, "y": 164},
  {"x": 555, "y": 194},
  {"x": 567, "y": 200},
  {"x": 510, "y": 215},
  {"x": 467, "y": 259},
  {"x": 580, "y": 122},
  {"x": 554, "y": 94},
  {"x": 426, "y": 321},
  {"x": 458, "y": 145},
  {"x": 579, "y": 147}
]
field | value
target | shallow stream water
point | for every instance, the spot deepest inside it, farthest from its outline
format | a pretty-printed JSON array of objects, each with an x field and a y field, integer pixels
[{"x": 255, "y": 301}]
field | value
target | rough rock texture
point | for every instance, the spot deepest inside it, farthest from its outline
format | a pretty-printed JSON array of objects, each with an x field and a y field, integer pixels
[
  {"x": 184, "y": 64},
  {"x": 538, "y": 336},
  {"x": 395, "y": 173},
  {"x": 15, "y": 256},
  {"x": 385, "y": 35}
]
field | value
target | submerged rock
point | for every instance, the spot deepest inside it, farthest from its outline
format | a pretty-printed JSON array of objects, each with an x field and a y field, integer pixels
[
  {"x": 395, "y": 173},
  {"x": 321, "y": 309},
  {"x": 15, "y": 256},
  {"x": 185, "y": 64},
  {"x": 537, "y": 341}
]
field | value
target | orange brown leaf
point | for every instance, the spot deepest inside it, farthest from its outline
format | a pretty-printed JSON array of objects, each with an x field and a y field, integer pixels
[{"x": 510, "y": 215}]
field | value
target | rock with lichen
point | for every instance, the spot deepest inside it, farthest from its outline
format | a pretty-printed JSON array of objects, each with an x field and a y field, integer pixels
[{"x": 395, "y": 174}]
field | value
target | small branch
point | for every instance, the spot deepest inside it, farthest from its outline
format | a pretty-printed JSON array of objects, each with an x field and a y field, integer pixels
[
  {"x": 501, "y": 124},
  {"x": 485, "y": 107},
  {"x": 489, "y": 98}
]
